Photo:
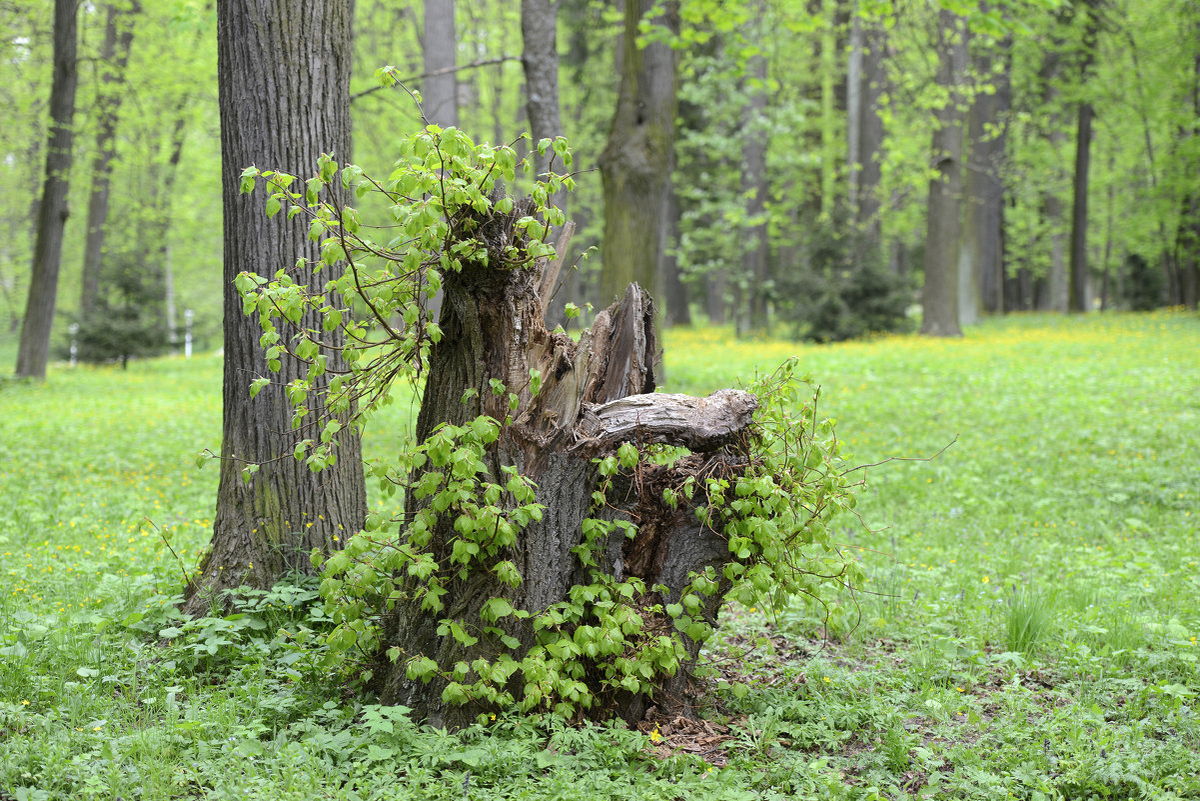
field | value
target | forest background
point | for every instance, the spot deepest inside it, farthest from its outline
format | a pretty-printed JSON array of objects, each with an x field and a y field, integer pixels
[
  {"x": 794, "y": 152},
  {"x": 1028, "y": 627}
]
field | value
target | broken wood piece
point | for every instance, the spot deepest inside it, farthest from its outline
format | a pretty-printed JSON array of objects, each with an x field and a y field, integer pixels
[{"x": 698, "y": 424}]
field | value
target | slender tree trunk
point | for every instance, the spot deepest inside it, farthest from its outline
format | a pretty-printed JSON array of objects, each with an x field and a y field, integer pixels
[
  {"x": 283, "y": 74},
  {"x": 1078, "y": 299},
  {"x": 439, "y": 95},
  {"x": 715, "y": 304},
  {"x": 1079, "y": 213},
  {"x": 1053, "y": 294},
  {"x": 869, "y": 156},
  {"x": 118, "y": 38},
  {"x": 34, "y": 350},
  {"x": 539, "y": 34},
  {"x": 756, "y": 253},
  {"x": 678, "y": 311},
  {"x": 940, "y": 296},
  {"x": 155, "y": 258},
  {"x": 636, "y": 162},
  {"x": 854, "y": 106}
]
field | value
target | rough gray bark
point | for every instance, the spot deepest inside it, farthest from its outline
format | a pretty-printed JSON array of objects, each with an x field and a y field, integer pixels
[
  {"x": 114, "y": 56},
  {"x": 52, "y": 212},
  {"x": 636, "y": 162},
  {"x": 940, "y": 295},
  {"x": 439, "y": 94},
  {"x": 982, "y": 252},
  {"x": 283, "y": 74},
  {"x": 594, "y": 396}
]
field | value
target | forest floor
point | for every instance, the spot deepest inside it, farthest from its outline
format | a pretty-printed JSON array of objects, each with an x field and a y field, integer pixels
[{"x": 1028, "y": 629}]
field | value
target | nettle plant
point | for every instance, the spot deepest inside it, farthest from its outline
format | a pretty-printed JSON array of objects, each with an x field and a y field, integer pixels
[{"x": 567, "y": 537}]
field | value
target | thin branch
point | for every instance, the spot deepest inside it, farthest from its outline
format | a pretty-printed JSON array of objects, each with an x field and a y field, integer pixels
[{"x": 483, "y": 62}]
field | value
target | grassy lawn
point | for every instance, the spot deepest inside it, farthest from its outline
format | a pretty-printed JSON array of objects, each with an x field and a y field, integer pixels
[{"x": 1029, "y": 629}]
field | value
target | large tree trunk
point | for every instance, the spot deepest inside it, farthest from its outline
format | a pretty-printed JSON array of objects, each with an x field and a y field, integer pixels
[
  {"x": 940, "y": 295},
  {"x": 594, "y": 396},
  {"x": 34, "y": 350},
  {"x": 981, "y": 273},
  {"x": 636, "y": 162},
  {"x": 118, "y": 37},
  {"x": 283, "y": 74}
]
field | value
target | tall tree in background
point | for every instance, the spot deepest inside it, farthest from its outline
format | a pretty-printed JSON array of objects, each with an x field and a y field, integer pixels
[
  {"x": 1187, "y": 237},
  {"x": 756, "y": 257},
  {"x": 283, "y": 75},
  {"x": 114, "y": 58},
  {"x": 1078, "y": 274},
  {"x": 636, "y": 163},
  {"x": 1054, "y": 287},
  {"x": 865, "y": 80},
  {"x": 981, "y": 274},
  {"x": 52, "y": 213},
  {"x": 940, "y": 297},
  {"x": 539, "y": 36},
  {"x": 439, "y": 94}
]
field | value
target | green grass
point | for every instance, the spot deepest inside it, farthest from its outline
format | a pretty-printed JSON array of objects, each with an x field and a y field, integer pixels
[{"x": 1028, "y": 631}]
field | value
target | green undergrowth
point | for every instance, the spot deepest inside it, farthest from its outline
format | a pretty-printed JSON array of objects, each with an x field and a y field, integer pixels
[{"x": 1027, "y": 630}]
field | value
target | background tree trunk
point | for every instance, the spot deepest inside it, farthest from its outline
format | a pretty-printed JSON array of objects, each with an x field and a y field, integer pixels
[
  {"x": 756, "y": 256},
  {"x": 439, "y": 95},
  {"x": 283, "y": 73},
  {"x": 539, "y": 34},
  {"x": 868, "y": 157},
  {"x": 1078, "y": 292},
  {"x": 940, "y": 296},
  {"x": 983, "y": 224},
  {"x": 114, "y": 57},
  {"x": 636, "y": 162},
  {"x": 1052, "y": 293},
  {"x": 34, "y": 350}
]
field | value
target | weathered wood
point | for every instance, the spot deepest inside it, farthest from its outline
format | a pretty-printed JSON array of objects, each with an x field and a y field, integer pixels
[
  {"x": 698, "y": 424},
  {"x": 595, "y": 393}
]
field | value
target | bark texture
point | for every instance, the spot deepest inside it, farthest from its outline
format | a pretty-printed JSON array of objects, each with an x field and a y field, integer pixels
[
  {"x": 594, "y": 396},
  {"x": 283, "y": 70},
  {"x": 52, "y": 211},
  {"x": 982, "y": 251},
  {"x": 636, "y": 163},
  {"x": 940, "y": 296}
]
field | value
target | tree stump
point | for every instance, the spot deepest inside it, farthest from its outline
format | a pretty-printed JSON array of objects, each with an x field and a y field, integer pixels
[{"x": 595, "y": 394}]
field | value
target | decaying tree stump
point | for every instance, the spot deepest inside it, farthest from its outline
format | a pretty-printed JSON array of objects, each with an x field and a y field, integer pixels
[{"x": 595, "y": 394}]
